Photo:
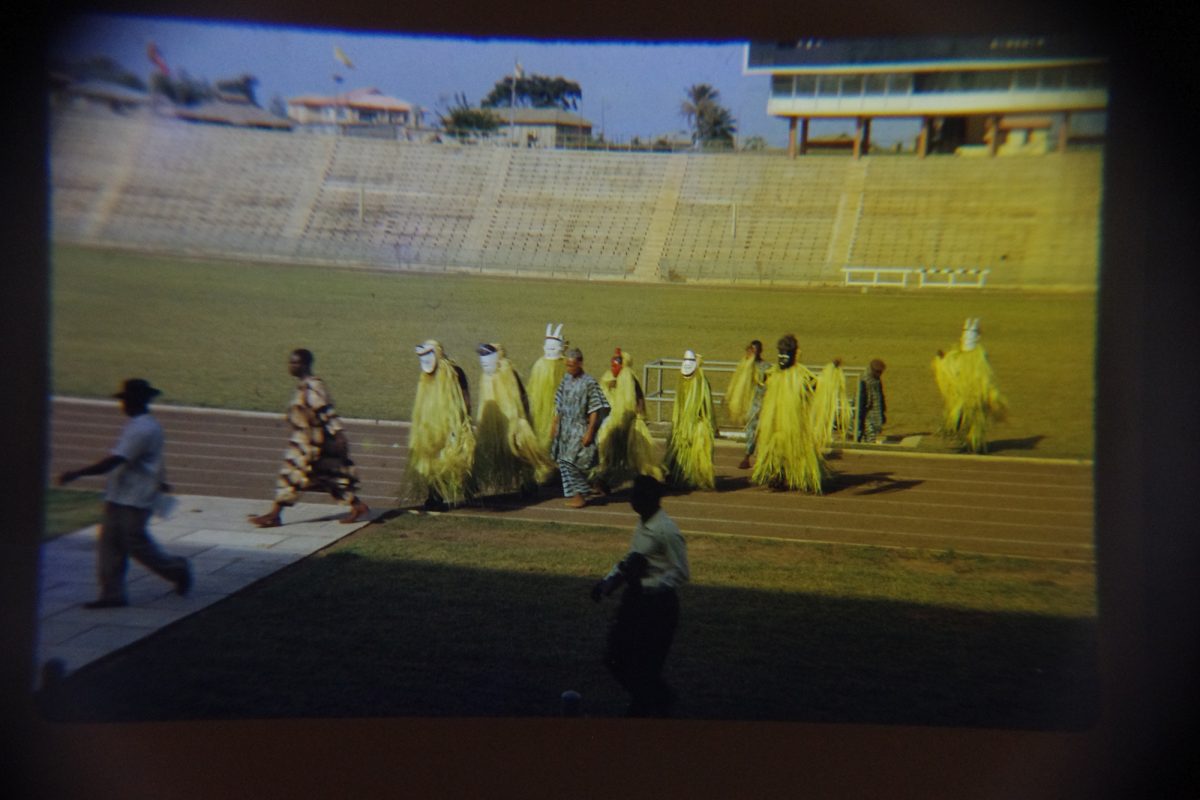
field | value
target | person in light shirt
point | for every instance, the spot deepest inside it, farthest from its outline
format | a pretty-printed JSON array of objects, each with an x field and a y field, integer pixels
[
  {"x": 645, "y": 623},
  {"x": 136, "y": 477}
]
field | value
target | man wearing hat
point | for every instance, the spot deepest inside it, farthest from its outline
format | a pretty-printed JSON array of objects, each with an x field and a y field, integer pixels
[{"x": 136, "y": 475}]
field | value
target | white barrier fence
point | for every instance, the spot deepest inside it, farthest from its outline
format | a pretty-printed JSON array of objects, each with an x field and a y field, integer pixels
[{"x": 962, "y": 277}]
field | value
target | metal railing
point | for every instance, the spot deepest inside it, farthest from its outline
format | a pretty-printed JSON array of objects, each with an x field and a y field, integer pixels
[{"x": 656, "y": 392}]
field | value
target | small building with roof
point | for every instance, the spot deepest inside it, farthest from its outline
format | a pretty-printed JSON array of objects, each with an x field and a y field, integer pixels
[
  {"x": 357, "y": 108},
  {"x": 994, "y": 95},
  {"x": 542, "y": 127}
]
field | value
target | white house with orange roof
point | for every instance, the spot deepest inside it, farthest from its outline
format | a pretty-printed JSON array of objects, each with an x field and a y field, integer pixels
[{"x": 362, "y": 107}]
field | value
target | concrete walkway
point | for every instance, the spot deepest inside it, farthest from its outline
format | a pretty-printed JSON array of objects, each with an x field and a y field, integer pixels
[{"x": 226, "y": 552}]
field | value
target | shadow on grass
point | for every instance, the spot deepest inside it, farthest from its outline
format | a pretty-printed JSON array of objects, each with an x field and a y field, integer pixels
[
  {"x": 1028, "y": 443},
  {"x": 347, "y": 635}
]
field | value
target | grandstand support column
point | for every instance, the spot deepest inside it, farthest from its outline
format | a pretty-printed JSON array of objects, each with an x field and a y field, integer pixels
[
  {"x": 992, "y": 134},
  {"x": 923, "y": 138},
  {"x": 862, "y": 136},
  {"x": 1064, "y": 132},
  {"x": 802, "y": 147}
]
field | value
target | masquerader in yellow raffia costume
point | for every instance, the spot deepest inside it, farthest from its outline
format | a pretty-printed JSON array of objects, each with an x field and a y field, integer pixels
[
  {"x": 831, "y": 414},
  {"x": 544, "y": 377},
  {"x": 625, "y": 447},
  {"x": 689, "y": 460},
  {"x": 970, "y": 398},
  {"x": 441, "y": 444},
  {"x": 507, "y": 452},
  {"x": 743, "y": 399},
  {"x": 789, "y": 453}
]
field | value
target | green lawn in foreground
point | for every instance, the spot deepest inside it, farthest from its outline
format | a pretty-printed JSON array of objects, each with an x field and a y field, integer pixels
[
  {"x": 68, "y": 510},
  {"x": 428, "y": 616},
  {"x": 218, "y": 334}
]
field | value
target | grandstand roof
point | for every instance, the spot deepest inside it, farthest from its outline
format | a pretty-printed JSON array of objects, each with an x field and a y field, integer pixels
[
  {"x": 366, "y": 97},
  {"x": 107, "y": 91},
  {"x": 226, "y": 112},
  {"x": 912, "y": 52}
]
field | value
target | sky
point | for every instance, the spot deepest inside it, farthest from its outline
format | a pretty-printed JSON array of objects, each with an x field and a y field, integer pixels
[{"x": 629, "y": 89}]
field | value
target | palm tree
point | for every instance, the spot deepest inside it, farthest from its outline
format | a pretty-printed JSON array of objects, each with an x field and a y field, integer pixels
[{"x": 708, "y": 119}]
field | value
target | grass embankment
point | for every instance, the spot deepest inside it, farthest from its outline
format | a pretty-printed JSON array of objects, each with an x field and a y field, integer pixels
[
  {"x": 426, "y": 616},
  {"x": 218, "y": 334}
]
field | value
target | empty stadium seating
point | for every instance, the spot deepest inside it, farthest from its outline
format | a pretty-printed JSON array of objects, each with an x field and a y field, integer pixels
[{"x": 142, "y": 181}]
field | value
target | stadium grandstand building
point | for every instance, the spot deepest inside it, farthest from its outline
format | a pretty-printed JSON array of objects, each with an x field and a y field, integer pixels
[
  {"x": 973, "y": 95},
  {"x": 349, "y": 112}
]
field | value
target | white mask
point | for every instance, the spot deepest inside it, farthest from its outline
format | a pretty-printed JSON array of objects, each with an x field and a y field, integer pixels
[
  {"x": 428, "y": 358},
  {"x": 489, "y": 363},
  {"x": 970, "y": 335},
  {"x": 553, "y": 346},
  {"x": 690, "y": 362}
]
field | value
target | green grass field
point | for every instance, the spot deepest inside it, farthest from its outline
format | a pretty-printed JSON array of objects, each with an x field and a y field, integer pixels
[
  {"x": 218, "y": 334},
  {"x": 435, "y": 616},
  {"x": 423, "y": 616}
]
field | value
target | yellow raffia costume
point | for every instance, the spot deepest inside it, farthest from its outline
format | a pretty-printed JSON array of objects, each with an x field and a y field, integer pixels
[
  {"x": 831, "y": 406},
  {"x": 544, "y": 377},
  {"x": 689, "y": 459},
  {"x": 623, "y": 441},
  {"x": 441, "y": 443},
  {"x": 507, "y": 451},
  {"x": 788, "y": 455},
  {"x": 740, "y": 394},
  {"x": 970, "y": 398}
]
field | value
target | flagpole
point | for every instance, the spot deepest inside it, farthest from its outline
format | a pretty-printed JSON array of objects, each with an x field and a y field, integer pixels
[{"x": 512, "y": 104}]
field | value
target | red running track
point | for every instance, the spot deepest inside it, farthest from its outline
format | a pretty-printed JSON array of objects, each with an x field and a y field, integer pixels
[{"x": 996, "y": 505}]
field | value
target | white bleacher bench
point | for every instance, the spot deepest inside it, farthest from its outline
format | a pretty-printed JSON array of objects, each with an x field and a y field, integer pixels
[
  {"x": 926, "y": 276},
  {"x": 876, "y": 276},
  {"x": 953, "y": 277}
]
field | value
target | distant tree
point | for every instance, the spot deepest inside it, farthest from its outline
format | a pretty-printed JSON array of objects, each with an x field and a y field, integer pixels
[
  {"x": 100, "y": 68},
  {"x": 534, "y": 91},
  {"x": 711, "y": 123},
  {"x": 241, "y": 86},
  {"x": 755, "y": 143},
  {"x": 461, "y": 119}
]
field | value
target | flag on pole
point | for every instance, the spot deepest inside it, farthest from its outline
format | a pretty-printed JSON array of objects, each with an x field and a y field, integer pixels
[
  {"x": 156, "y": 58},
  {"x": 341, "y": 56}
]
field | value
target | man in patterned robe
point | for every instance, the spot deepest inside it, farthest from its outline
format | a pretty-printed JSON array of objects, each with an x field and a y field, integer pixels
[
  {"x": 318, "y": 454},
  {"x": 579, "y": 407}
]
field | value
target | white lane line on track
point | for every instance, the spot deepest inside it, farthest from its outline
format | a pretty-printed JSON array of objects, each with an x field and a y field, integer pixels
[
  {"x": 682, "y": 518},
  {"x": 229, "y": 412},
  {"x": 881, "y": 507},
  {"x": 853, "y": 452},
  {"x": 792, "y": 540}
]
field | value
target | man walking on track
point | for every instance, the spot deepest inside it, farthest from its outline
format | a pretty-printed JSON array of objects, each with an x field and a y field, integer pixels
[
  {"x": 136, "y": 475},
  {"x": 579, "y": 409},
  {"x": 318, "y": 456}
]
